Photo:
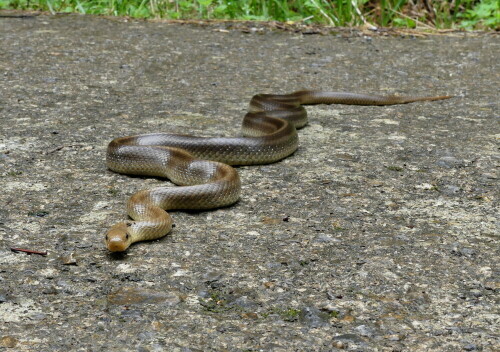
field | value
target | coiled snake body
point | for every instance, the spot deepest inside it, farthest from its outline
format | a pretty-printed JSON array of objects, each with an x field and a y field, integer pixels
[{"x": 200, "y": 165}]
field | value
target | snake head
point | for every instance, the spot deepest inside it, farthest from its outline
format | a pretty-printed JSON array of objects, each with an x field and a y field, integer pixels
[{"x": 118, "y": 239}]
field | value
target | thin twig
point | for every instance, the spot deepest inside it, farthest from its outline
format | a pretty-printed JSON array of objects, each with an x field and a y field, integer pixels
[
  {"x": 28, "y": 251},
  {"x": 63, "y": 146}
]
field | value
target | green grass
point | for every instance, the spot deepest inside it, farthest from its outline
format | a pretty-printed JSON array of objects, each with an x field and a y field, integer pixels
[{"x": 440, "y": 14}]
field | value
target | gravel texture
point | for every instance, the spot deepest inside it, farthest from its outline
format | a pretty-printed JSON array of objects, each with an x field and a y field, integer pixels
[{"x": 379, "y": 234}]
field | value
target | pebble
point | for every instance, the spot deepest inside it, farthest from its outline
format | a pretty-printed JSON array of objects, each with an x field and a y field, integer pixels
[
  {"x": 68, "y": 259},
  {"x": 489, "y": 176},
  {"x": 211, "y": 277},
  {"x": 462, "y": 251},
  {"x": 393, "y": 337},
  {"x": 450, "y": 162},
  {"x": 353, "y": 338},
  {"x": 9, "y": 341},
  {"x": 333, "y": 295},
  {"x": 314, "y": 317},
  {"x": 204, "y": 294},
  {"x": 132, "y": 295},
  {"x": 325, "y": 238},
  {"x": 328, "y": 307},
  {"x": 244, "y": 302},
  {"x": 450, "y": 189},
  {"x": 476, "y": 293},
  {"x": 470, "y": 347},
  {"x": 364, "y": 330}
]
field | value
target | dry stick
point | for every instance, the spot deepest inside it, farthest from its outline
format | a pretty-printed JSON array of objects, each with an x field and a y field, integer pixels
[
  {"x": 64, "y": 146},
  {"x": 28, "y": 251}
]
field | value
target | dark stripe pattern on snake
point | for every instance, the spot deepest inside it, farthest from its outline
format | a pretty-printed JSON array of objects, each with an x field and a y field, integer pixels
[{"x": 200, "y": 165}]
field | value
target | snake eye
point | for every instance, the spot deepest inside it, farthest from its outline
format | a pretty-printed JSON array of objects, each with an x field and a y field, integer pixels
[
  {"x": 128, "y": 223},
  {"x": 127, "y": 236}
]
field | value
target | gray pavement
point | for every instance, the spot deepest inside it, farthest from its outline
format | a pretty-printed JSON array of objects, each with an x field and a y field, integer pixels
[{"x": 379, "y": 234}]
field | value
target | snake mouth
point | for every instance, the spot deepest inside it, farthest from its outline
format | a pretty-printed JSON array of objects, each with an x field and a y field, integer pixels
[
  {"x": 116, "y": 245},
  {"x": 117, "y": 239}
]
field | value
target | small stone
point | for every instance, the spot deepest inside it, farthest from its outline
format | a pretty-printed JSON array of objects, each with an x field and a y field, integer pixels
[
  {"x": 323, "y": 238},
  {"x": 271, "y": 221},
  {"x": 204, "y": 294},
  {"x": 348, "y": 318},
  {"x": 332, "y": 295},
  {"x": 250, "y": 315},
  {"x": 364, "y": 330},
  {"x": 9, "y": 341},
  {"x": 50, "y": 290},
  {"x": 243, "y": 302},
  {"x": 211, "y": 277},
  {"x": 489, "y": 176},
  {"x": 450, "y": 189},
  {"x": 132, "y": 295},
  {"x": 38, "y": 316},
  {"x": 375, "y": 183},
  {"x": 424, "y": 186},
  {"x": 328, "y": 307},
  {"x": 269, "y": 284},
  {"x": 68, "y": 259},
  {"x": 274, "y": 265},
  {"x": 491, "y": 285},
  {"x": 449, "y": 162},
  {"x": 314, "y": 317},
  {"x": 338, "y": 344},
  {"x": 462, "y": 251},
  {"x": 476, "y": 293},
  {"x": 393, "y": 337},
  {"x": 470, "y": 347},
  {"x": 353, "y": 338},
  {"x": 468, "y": 252},
  {"x": 346, "y": 157}
]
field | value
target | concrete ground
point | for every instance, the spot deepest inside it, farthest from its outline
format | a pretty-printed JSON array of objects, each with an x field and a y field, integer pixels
[{"x": 379, "y": 234}]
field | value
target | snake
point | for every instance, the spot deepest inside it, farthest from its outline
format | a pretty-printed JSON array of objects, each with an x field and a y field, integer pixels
[{"x": 202, "y": 166}]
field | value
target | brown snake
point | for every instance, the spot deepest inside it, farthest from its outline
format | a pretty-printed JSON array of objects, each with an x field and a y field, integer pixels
[{"x": 269, "y": 135}]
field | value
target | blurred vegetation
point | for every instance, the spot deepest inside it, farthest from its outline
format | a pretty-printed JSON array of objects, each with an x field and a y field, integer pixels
[{"x": 439, "y": 14}]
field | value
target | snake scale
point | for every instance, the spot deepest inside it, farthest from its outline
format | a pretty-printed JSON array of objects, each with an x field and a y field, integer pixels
[{"x": 200, "y": 165}]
